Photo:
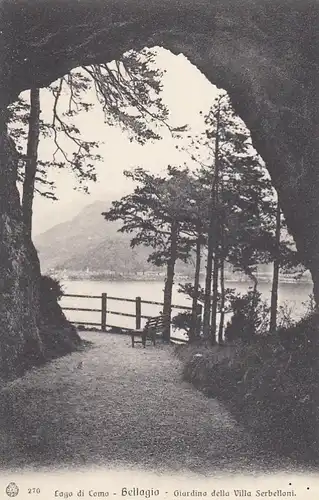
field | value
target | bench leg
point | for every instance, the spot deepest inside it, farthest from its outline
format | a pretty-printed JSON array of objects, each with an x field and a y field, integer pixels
[
  {"x": 132, "y": 337},
  {"x": 154, "y": 338},
  {"x": 144, "y": 340}
]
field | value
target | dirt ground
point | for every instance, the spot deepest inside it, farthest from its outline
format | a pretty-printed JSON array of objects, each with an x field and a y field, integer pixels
[{"x": 111, "y": 405}]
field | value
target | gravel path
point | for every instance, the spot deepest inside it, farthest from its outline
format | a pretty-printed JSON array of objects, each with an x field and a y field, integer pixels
[{"x": 110, "y": 405}]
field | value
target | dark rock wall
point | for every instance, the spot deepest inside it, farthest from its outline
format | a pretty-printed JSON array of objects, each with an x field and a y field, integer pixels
[
  {"x": 19, "y": 274},
  {"x": 29, "y": 332}
]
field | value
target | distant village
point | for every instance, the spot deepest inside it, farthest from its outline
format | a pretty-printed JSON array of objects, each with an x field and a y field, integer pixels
[{"x": 263, "y": 274}]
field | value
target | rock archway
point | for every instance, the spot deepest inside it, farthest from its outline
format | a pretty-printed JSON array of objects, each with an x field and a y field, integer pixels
[{"x": 263, "y": 52}]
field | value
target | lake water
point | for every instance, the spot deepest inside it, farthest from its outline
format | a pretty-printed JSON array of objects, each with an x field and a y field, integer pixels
[{"x": 293, "y": 294}]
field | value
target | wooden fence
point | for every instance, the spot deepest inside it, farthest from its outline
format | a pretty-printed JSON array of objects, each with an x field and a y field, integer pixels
[{"x": 104, "y": 311}]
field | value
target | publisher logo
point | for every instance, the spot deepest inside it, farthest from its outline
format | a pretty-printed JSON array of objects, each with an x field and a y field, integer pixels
[{"x": 12, "y": 490}]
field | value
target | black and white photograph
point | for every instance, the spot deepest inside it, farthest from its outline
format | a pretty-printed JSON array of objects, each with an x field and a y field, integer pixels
[{"x": 159, "y": 249}]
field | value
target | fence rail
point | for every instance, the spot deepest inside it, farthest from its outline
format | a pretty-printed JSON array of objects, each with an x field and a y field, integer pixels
[{"x": 105, "y": 311}]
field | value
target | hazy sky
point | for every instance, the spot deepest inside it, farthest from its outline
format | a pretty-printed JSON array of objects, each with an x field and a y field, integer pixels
[{"x": 186, "y": 92}]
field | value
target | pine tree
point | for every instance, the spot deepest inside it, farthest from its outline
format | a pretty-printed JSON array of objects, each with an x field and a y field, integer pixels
[
  {"x": 242, "y": 201},
  {"x": 197, "y": 230},
  {"x": 157, "y": 214}
]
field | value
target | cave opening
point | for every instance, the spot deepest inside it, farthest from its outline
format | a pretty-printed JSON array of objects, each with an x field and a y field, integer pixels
[
  {"x": 188, "y": 96},
  {"x": 261, "y": 53},
  {"x": 181, "y": 80}
]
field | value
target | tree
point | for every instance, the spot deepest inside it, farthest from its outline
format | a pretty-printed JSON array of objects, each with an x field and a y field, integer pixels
[
  {"x": 241, "y": 221},
  {"x": 128, "y": 91},
  {"x": 157, "y": 213},
  {"x": 31, "y": 161},
  {"x": 63, "y": 134},
  {"x": 241, "y": 201},
  {"x": 197, "y": 230},
  {"x": 26, "y": 128},
  {"x": 276, "y": 268},
  {"x": 210, "y": 309},
  {"x": 222, "y": 259}
]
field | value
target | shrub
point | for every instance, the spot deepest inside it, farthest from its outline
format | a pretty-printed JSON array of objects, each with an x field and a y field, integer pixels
[
  {"x": 50, "y": 289},
  {"x": 269, "y": 385},
  {"x": 309, "y": 305},
  {"x": 58, "y": 334},
  {"x": 285, "y": 316},
  {"x": 182, "y": 321},
  {"x": 250, "y": 317}
]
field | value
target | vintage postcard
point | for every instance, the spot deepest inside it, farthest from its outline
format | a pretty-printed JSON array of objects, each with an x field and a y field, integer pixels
[{"x": 159, "y": 271}]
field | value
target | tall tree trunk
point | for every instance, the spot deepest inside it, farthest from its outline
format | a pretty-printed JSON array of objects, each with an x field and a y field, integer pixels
[
  {"x": 214, "y": 297},
  {"x": 212, "y": 237},
  {"x": 222, "y": 264},
  {"x": 252, "y": 309},
  {"x": 169, "y": 281},
  {"x": 208, "y": 284},
  {"x": 222, "y": 302},
  {"x": 276, "y": 269},
  {"x": 194, "y": 330},
  {"x": 32, "y": 159},
  {"x": 217, "y": 233}
]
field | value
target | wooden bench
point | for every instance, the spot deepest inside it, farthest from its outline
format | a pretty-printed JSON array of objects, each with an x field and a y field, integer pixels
[{"x": 151, "y": 329}]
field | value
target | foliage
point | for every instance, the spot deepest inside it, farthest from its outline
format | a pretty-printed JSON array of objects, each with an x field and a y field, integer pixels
[
  {"x": 188, "y": 290},
  {"x": 237, "y": 212},
  {"x": 58, "y": 335},
  {"x": 270, "y": 385},
  {"x": 286, "y": 319},
  {"x": 310, "y": 305},
  {"x": 250, "y": 317},
  {"x": 129, "y": 92},
  {"x": 183, "y": 321},
  {"x": 285, "y": 316},
  {"x": 50, "y": 289},
  {"x": 62, "y": 133},
  {"x": 245, "y": 200},
  {"x": 150, "y": 210}
]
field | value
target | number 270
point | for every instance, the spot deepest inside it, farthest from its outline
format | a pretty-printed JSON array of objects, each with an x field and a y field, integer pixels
[{"x": 33, "y": 491}]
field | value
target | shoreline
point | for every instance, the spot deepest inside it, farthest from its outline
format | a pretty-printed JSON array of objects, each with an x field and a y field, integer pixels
[{"x": 160, "y": 278}]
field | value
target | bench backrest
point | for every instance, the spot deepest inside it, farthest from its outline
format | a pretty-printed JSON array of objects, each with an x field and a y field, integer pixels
[{"x": 155, "y": 324}]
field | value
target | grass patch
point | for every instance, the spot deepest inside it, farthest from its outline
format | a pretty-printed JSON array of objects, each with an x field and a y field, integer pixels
[{"x": 270, "y": 385}]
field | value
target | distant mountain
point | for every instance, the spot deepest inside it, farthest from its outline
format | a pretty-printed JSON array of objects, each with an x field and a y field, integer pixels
[
  {"x": 88, "y": 246},
  {"x": 89, "y": 243}
]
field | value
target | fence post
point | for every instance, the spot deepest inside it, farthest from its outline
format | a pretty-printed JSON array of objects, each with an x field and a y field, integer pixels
[
  {"x": 199, "y": 319},
  {"x": 103, "y": 312},
  {"x": 138, "y": 313}
]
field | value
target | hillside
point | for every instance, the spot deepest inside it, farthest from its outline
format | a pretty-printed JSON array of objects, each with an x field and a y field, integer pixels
[
  {"x": 89, "y": 246},
  {"x": 89, "y": 243}
]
